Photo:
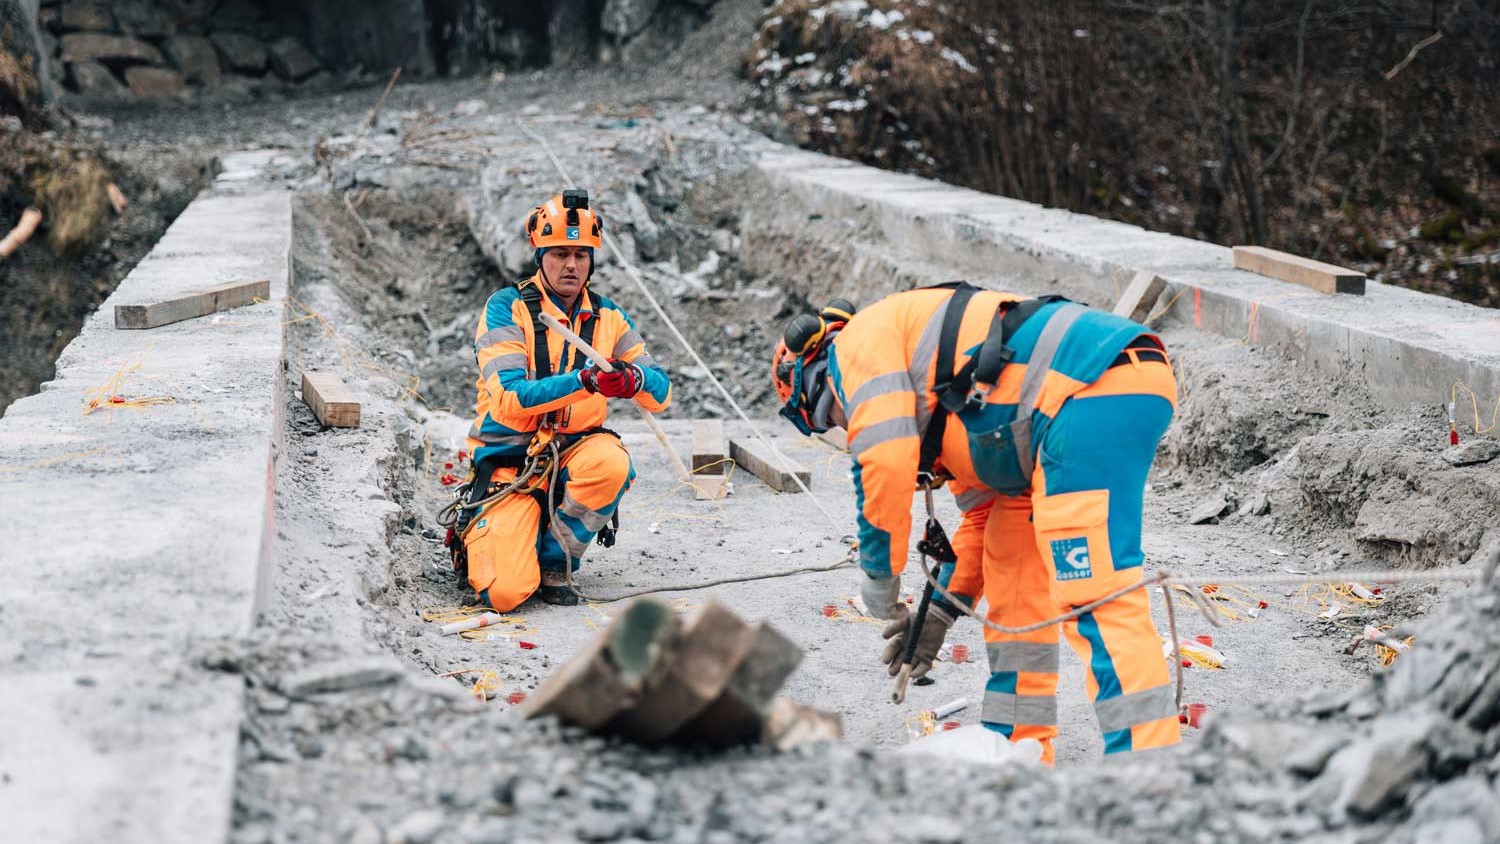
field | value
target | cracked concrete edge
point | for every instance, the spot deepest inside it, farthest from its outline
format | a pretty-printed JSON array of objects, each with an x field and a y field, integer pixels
[
  {"x": 136, "y": 538},
  {"x": 1403, "y": 345}
]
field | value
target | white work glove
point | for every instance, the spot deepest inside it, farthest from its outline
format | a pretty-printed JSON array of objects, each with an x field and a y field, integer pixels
[
  {"x": 882, "y": 595},
  {"x": 929, "y": 642}
]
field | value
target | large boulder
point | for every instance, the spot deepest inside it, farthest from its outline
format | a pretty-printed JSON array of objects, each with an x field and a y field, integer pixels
[
  {"x": 624, "y": 18},
  {"x": 87, "y": 15},
  {"x": 241, "y": 53},
  {"x": 291, "y": 60},
  {"x": 153, "y": 81},
  {"x": 92, "y": 79},
  {"x": 194, "y": 55},
  {"x": 115, "y": 49},
  {"x": 144, "y": 20}
]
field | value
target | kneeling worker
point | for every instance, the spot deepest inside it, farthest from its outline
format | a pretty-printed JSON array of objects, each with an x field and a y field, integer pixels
[
  {"x": 1058, "y": 411},
  {"x": 537, "y": 397}
]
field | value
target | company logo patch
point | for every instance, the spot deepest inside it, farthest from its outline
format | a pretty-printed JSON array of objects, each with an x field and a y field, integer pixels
[
  {"x": 482, "y": 523},
  {"x": 1071, "y": 558},
  {"x": 572, "y": 233}
]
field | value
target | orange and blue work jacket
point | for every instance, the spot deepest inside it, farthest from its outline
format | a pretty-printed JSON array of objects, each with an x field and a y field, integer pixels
[
  {"x": 513, "y": 402},
  {"x": 882, "y": 369}
]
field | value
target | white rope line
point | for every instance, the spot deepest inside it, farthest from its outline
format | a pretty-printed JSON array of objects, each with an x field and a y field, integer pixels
[
  {"x": 640, "y": 282},
  {"x": 1384, "y": 576}
]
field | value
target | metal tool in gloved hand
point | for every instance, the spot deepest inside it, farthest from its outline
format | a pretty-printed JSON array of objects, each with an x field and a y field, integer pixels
[{"x": 920, "y": 641}]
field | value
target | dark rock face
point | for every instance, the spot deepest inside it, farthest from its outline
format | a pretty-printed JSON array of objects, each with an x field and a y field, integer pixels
[{"x": 224, "y": 45}]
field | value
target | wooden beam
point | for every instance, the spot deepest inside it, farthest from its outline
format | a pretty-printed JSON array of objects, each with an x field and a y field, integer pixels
[
  {"x": 755, "y": 458},
  {"x": 332, "y": 402},
  {"x": 710, "y": 487},
  {"x": 1136, "y": 302},
  {"x": 708, "y": 446},
  {"x": 189, "y": 305},
  {"x": 1324, "y": 278}
]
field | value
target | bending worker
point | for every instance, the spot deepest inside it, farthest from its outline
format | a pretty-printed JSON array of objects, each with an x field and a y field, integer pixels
[
  {"x": 1057, "y": 410},
  {"x": 537, "y": 397}
]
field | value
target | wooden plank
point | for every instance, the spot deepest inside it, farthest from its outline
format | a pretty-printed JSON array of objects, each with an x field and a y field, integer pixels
[
  {"x": 1324, "y": 278},
  {"x": 1136, "y": 302},
  {"x": 194, "y": 304},
  {"x": 710, "y": 487},
  {"x": 754, "y": 457},
  {"x": 332, "y": 402},
  {"x": 708, "y": 446}
]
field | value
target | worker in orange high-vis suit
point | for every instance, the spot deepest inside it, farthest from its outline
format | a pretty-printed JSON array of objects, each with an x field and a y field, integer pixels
[
  {"x": 534, "y": 389},
  {"x": 1044, "y": 416}
]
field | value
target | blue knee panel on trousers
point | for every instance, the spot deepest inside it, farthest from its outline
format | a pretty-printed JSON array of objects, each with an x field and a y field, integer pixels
[{"x": 1108, "y": 442}]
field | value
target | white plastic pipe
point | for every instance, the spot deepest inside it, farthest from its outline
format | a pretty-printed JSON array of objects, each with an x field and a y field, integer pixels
[
  {"x": 474, "y": 623},
  {"x": 949, "y": 708},
  {"x": 603, "y": 363}
]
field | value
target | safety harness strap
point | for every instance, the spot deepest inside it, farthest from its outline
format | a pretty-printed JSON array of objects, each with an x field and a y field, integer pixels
[{"x": 932, "y": 438}]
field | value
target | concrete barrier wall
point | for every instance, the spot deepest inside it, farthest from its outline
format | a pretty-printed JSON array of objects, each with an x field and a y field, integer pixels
[
  {"x": 851, "y": 230},
  {"x": 132, "y": 539}
]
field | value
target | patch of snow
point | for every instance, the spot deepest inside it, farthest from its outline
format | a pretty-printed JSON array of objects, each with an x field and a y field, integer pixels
[{"x": 957, "y": 58}]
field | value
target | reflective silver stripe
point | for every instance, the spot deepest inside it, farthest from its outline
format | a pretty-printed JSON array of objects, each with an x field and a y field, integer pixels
[
  {"x": 629, "y": 340},
  {"x": 921, "y": 362},
  {"x": 645, "y": 361},
  {"x": 1126, "y": 711},
  {"x": 971, "y": 498},
  {"x": 514, "y": 360},
  {"x": 883, "y": 432},
  {"x": 499, "y": 335},
  {"x": 566, "y": 539},
  {"x": 1036, "y": 374},
  {"x": 1030, "y": 710},
  {"x": 880, "y": 385},
  {"x": 1040, "y": 657},
  {"x": 592, "y": 520}
]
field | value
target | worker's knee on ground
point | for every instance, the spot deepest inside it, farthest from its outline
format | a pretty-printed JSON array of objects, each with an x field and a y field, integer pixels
[{"x": 1072, "y": 535}]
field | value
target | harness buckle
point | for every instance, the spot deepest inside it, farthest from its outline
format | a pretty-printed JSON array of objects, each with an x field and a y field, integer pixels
[{"x": 978, "y": 395}]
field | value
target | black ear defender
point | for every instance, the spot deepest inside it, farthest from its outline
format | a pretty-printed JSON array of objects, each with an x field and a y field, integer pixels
[
  {"x": 804, "y": 332},
  {"x": 837, "y": 310}
]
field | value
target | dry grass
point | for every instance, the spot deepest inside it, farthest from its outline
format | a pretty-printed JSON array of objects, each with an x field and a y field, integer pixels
[{"x": 19, "y": 88}]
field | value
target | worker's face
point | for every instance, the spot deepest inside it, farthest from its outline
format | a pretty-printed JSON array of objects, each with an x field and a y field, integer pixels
[{"x": 566, "y": 267}]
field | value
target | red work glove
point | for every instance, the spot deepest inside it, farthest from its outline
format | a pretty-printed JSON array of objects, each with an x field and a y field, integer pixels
[{"x": 624, "y": 382}]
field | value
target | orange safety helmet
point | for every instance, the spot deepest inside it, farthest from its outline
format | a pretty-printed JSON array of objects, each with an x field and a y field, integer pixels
[
  {"x": 798, "y": 365},
  {"x": 564, "y": 220}
]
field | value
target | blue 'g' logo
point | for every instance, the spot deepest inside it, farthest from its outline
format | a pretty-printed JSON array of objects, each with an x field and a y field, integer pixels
[
  {"x": 1070, "y": 557},
  {"x": 573, "y": 233}
]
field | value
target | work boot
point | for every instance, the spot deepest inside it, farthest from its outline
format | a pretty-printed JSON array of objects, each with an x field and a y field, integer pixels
[{"x": 555, "y": 589}]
